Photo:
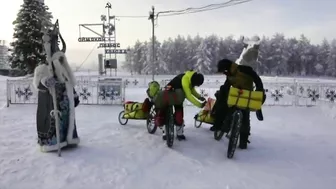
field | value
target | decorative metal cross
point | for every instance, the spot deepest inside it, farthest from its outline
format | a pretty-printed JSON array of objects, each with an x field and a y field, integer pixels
[
  {"x": 26, "y": 93},
  {"x": 331, "y": 95},
  {"x": 313, "y": 95},
  {"x": 85, "y": 93},
  {"x": 301, "y": 89},
  {"x": 277, "y": 95},
  {"x": 103, "y": 94},
  {"x": 127, "y": 82},
  {"x": 135, "y": 82}
]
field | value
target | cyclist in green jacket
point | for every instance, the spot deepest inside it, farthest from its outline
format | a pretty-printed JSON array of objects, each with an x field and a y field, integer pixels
[{"x": 183, "y": 86}]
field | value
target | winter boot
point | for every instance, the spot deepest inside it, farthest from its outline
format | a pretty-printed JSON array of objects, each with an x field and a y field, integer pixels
[
  {"x": 225, "y": 126},
  {"x": 180, "y": 133},
  {"x": 164, "y": 137},
  {"x": 243, "y": 140}
]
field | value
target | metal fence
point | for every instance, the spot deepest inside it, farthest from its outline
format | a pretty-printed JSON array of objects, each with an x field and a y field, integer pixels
[{"x": 114, "y": 91}]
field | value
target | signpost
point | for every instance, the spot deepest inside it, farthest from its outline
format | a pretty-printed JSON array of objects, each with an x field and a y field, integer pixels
[{"x": 107, "y": 37}]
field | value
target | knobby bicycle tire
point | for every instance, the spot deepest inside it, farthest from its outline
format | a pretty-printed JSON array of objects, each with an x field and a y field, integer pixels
[
  {"x": 234, "y": 133},
  {"x": 151, "y": 127},
  {"x": 169, "y": 126}
]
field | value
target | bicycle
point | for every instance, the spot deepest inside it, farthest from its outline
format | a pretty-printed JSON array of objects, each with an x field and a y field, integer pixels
[{"x": 235, "y": 123}]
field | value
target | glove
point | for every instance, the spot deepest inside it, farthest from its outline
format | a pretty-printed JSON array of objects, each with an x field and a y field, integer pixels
[
  {"x": 264, "y": 98},
  {"x": 77, "y": 101},
  {"x": 202, "y": 98},
  {"x": 48, "y": 82},
  {"x": 203, "y": 104},
  {"x": 217, "y": 94},
  {"x": 259, "y": 115}
]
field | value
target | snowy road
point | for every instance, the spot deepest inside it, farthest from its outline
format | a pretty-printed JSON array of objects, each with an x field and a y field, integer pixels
[{"x": 293, "y": 148}]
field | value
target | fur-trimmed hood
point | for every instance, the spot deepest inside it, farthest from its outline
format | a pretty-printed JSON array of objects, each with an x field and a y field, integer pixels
[
  {"x": 61, "y": 68},
  {"x": 40, "y": 72}
]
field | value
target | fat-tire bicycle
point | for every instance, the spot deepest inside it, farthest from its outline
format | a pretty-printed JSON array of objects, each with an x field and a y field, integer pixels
[
  {"x": 234, "y": 131},
  {"x": 169, "y": 126}
]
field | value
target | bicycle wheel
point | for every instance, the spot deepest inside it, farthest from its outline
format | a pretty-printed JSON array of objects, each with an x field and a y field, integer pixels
[
  {"x": 169, "y": 126},
  {"x": 197, "y": 124},
  {"x": 121, "y": 118},
  {"x": 234, "y": 133},
  {"x": 151, "y": 127}
]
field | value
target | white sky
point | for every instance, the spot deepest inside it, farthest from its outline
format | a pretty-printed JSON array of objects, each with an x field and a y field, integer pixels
[{"x": 316, "y": 19}]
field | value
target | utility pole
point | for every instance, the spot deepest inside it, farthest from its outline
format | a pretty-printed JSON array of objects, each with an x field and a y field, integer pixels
[{"x": 152, "y": 17}]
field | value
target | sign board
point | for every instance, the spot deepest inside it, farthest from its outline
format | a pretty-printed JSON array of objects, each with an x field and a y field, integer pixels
[
  {"x": 103, "y": 45},
  {"x": 116, "y": 51},
  {"x": 100, "y": 63},
  {"x": 111, "y": 63},
  {"x": 94, "y": 39}
]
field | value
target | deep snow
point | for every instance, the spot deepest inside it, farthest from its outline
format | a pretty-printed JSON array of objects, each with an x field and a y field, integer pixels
[{"x": 293, "y": 148}]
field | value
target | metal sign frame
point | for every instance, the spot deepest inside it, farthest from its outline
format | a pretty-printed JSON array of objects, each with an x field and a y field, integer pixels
[{"x": 107, "y": 35}]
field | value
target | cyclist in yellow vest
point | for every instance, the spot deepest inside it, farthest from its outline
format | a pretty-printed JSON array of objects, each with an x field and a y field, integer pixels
[
  {"x": 183, "y": 86},
  {"x": 238, "y": 76}
]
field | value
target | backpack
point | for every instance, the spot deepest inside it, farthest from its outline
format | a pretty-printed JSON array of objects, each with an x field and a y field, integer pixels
[{"x": 153, "y": 89}]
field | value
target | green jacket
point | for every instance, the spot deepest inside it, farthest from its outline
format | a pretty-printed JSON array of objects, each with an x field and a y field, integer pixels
[{"x": 183, "y": 81}]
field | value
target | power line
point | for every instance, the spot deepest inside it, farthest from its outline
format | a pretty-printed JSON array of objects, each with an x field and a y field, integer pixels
[
  {"x": 199, "y": 8},
  {"x": 131, "y": 16},
  {"x": 190, "y": 10},
  {"x": 87, "y": 57},
  {"x": 227, "y": 4}
]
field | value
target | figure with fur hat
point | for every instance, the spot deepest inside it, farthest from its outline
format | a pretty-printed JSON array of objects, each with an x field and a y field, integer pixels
[{"x": 57, "y": 98}]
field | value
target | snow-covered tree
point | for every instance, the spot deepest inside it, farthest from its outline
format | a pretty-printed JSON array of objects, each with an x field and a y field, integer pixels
[
  {"x": 180, "y": 54},
  {"x": 3, "y": 55},
  {"x": 331, "y": 61},
  {"x": 203, "y": 63},
  {"x": 192, "y": 45},
  {"x": 129, "y": 62},
  {"x": 167, "y": 56},
  {"x": 280, "y": 54},
  {"x": 277, "y": 55},
  {"x": 148, "y": 56},
  {"x": 27, "y": 49},
  {"x": 213, "y": 46},
  {"x": 322, "y": 56}
]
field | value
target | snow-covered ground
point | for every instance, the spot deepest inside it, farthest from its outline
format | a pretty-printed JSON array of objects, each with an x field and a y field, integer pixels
[
  {"x": 288, "y": 150},
  {"x": 292, "y": 148}
]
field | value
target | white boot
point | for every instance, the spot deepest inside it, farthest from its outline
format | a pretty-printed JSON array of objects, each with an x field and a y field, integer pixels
[
  {"x": 180, "y": 132},
  {"x": 163, "y": 133}
]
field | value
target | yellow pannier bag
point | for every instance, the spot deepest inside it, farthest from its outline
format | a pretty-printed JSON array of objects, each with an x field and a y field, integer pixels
[
  {"x": 133, "y": 110},
  {"x": 245, "y": 99},
  {"x": 205, "y": 116}
]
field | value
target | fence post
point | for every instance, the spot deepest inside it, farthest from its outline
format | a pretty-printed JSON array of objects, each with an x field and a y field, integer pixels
[
  {"x": 123, "y": 85},
  {"x": 7, "y": 93},
  {"x": 296, "y": 98}
]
